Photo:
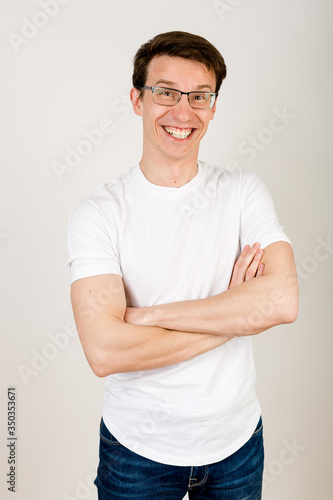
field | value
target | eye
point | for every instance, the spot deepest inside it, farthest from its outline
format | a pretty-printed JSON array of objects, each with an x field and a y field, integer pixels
[
  {"x": 200, "y": 97},
  {"x": 164, "y": 92}
]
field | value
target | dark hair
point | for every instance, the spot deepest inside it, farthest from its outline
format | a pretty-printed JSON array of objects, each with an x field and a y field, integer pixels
[{"x": 178, "y": 44}]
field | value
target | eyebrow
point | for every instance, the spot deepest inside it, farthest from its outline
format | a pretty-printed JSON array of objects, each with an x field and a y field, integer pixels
[{"x": 173, "y": 84}]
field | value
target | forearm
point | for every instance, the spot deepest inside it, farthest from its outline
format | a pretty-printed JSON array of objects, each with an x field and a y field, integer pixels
[
  {"x": 246, "y": 309},
  {"x": 113, "y": 345},
  {"x": 122, "y": 347}
]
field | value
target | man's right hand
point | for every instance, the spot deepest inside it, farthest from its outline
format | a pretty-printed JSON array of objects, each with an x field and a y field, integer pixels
[{"x": 248, "y": 265}]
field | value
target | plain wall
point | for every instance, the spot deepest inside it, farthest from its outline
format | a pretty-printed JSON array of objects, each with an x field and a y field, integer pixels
[{"x": 69, "y": 75}]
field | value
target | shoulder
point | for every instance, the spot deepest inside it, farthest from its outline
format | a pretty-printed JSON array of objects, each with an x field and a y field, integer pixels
[
  {"x": 232, "y": 177},
  {"x": 103, "y": 197}
]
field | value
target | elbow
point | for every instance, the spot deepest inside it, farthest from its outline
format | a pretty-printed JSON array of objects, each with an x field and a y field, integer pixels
[
  {"x": 286, "y": 299},
  {"x": 290, "y": 316},
  {"x": 102, "y": 371},
  {"x": 293, "y": 312},
  {"x": 99, "y": 370},
  {"x": 106, "y": 357},
  {"x": 289, "y": 313},
  {"x": 102, "y": 366}
]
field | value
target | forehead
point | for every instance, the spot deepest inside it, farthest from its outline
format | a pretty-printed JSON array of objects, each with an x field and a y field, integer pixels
[{"x": 179, "y": 72}]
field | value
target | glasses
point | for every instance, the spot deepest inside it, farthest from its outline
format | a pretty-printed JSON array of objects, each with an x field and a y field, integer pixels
[{"x": 170, "y": 97}]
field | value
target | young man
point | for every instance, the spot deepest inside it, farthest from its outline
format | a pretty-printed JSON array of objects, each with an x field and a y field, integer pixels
[{"x": 169, "y": 282}]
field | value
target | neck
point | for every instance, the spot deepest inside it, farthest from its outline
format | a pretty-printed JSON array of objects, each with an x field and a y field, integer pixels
[{"x": 170, "y": 173}]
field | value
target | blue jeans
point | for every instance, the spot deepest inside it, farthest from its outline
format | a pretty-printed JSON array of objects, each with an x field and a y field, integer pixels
[{"x": 124, "y": 475}]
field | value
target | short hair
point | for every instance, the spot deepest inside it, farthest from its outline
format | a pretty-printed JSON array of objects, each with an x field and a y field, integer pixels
[{"x": 178, "y": 44}]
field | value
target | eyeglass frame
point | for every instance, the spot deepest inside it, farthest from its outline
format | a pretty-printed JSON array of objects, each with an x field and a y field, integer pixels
[{"x": 215, "y": 94}]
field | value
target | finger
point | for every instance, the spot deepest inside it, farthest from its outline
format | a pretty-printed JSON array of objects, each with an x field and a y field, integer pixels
[
  {"x": 248, "y": 258},
  {"x": 253, "y": 267},
  {"x": 261, "y": 270},
  {"x": 235, "y": 277},
  {"x": 242, "y": 255},
  {"x": 244, "y": 263}
]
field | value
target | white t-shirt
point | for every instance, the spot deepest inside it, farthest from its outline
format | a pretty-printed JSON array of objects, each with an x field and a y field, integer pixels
[{"x": 173, "y": 244}]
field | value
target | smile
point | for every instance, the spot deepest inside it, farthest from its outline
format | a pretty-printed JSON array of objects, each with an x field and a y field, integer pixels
[{"x": 179, "y": 133}]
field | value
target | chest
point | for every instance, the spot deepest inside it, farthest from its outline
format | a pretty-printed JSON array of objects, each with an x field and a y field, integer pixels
[{"x": 171, "y": 250}]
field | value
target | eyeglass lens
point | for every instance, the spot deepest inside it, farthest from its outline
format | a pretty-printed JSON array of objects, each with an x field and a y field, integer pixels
[{"x": 169, "y": 97}]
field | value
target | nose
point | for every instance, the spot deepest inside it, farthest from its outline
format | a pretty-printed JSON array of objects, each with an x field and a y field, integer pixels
[{"x": 182, "y": 110}]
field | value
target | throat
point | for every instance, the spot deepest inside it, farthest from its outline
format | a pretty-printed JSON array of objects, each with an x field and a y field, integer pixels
[{"x": 169, "y": 176}]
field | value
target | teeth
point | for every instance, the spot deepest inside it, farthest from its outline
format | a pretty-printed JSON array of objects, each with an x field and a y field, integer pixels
[{"x": 179, "y": 133}]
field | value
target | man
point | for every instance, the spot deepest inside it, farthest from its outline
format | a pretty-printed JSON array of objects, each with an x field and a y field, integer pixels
[{"x": 169, "y": 282}]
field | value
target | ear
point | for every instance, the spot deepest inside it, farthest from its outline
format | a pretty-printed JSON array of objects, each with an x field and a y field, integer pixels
[{"x": 136, "y": 101}]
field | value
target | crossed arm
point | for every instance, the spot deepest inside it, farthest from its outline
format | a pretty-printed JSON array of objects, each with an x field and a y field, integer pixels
[
  {"x": 248, "y": 307},
  {"x": 263, "y": 292}
]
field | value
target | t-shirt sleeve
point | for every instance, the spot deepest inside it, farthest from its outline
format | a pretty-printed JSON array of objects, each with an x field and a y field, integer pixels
[
  {"x": 89, "y": 244},
  {"x": 259, "y": 221}
]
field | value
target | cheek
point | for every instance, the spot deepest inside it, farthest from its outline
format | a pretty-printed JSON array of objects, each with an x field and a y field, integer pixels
[{"x": 206, "y": 124}]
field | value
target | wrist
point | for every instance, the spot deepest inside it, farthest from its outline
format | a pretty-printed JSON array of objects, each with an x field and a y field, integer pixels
[{"x": 150, "y": 316}]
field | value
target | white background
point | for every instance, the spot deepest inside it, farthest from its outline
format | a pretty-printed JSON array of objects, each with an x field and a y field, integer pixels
[{"x": 75, "y": 71}]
